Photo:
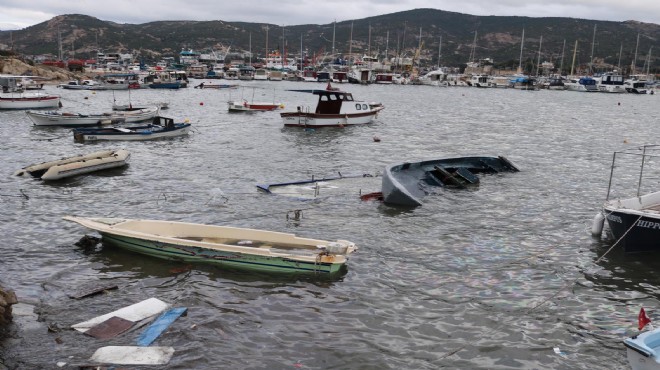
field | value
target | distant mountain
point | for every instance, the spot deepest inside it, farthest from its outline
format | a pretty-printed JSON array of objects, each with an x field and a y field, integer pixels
[{"x": 497, "y": 37}]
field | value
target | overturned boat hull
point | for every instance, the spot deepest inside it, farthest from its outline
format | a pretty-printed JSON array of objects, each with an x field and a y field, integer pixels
[{"x": 403, "y": 184}]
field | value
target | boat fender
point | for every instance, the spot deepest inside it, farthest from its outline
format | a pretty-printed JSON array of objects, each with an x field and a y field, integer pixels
[{"x": 597, "y": 225}]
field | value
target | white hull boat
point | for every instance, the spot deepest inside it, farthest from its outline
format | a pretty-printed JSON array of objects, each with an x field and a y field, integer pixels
[
  {"x": 29, "y": 101},
  {"x": 643, "y": 350},
  {"x": 334, "y": 109},
  {"x": 77, "y": 119},
  {"x": 77, "y": 165}
]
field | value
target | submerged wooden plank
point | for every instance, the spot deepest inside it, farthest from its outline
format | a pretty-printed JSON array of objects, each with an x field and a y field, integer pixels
[
  {"x": 128, "y": 355},
  {"x": 157, "y": 327},
  {"x": 109, "y": 328},
  {"x": 136, "y": 312},
  {"x": 93, "y": 290}
]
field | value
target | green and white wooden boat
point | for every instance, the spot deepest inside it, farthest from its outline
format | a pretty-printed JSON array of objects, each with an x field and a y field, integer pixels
[{"x": 221, "y": 245}]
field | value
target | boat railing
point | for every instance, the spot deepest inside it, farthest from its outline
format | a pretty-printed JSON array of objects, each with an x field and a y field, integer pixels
[{"x": 644, "y": 152}]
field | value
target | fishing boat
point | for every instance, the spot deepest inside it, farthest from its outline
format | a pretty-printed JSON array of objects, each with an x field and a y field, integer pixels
[
  {"x": 29, "y": 101},
  {"x": 406, "y": 184},
  {"x": 210, "y": 85},
  {"x": 334, "y": 109},
  {"x": 230, "y": 247},
  {"x": 125, "y": 107},
  {"x": 77, "y": 119},
  {"x": 76, "y": 165},
  {"x": 633, "y": 221},
  {"x": 582, "y": 84},
  {"x": 161, "y": 127},
  {"x": 643, "y": 350}
]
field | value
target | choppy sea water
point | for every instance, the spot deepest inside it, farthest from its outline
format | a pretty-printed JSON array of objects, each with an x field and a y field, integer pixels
[{"x": 494, "y": 277}]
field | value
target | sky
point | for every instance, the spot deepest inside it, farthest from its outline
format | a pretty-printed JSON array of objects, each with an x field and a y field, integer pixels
[{"x": 18, "y": 14}]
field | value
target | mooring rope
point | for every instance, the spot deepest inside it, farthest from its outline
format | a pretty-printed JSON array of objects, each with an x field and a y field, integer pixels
[{"x": 544, "y": 301}]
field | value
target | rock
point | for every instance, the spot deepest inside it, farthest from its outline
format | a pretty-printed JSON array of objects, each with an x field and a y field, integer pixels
[{"x": 7, "y": 299}]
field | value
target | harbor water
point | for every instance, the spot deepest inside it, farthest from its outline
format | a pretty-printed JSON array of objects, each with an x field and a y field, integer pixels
[{"x": 502, "y": 276}]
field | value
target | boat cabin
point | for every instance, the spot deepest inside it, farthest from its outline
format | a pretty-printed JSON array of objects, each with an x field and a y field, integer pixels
[{"x": 330, "y": 102}]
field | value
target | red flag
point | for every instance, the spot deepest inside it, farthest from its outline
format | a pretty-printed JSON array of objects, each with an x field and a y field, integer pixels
[{"x": 642, "y": 319}]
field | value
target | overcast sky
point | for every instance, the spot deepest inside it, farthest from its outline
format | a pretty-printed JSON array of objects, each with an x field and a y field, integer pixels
[{"x": 17, "y": 14}]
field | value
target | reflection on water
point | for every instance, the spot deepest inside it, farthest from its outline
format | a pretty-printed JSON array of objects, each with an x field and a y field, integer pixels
[{"x": 501, "y": 273}]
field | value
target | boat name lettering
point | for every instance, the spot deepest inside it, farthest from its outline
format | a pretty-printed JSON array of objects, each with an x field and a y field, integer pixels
[
  {"x": 615, "y": 218},
  {"x": 648, "y": 224}
]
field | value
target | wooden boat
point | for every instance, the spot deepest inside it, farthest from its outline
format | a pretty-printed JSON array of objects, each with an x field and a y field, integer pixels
[
  {"x": 131, "y": 107},
  {"x": 77, "y": 165},
  {"x": 406, "y": 184},
  {"x": 334, "y": 109},
  {"x": 244, "y": 106},
  {"x": 634, "y": 222},
  {"x": 643, "y": 350},
  {"x": 77, "y": 119},
  {"x": 29, "y": 101},
  {"x": 230, "y": 247},
  {"x": 161, "y": 127}
]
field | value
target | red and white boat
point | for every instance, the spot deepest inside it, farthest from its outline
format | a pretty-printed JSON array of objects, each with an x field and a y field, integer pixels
[
  {"x": 334, "y": 109},
  {"x": 29, "y": 101},
  {"x": 244, "y": 106}
]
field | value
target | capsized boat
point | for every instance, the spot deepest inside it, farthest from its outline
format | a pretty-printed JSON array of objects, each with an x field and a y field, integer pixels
[
  {"x": 77, "y": 165},
  {"x": 161, "y": 127},
  {"x": 230, "y": 247},
  {"x": 29, "y": 101},
  {"x": 78, "y": 119},
  {"x": 643, "y": 350},
  {"x": 334, "y": 109},
  {"x": 340, "y": 185},
  {"x": 406, "y": 184},
  {"x": 634, "y": 222}
]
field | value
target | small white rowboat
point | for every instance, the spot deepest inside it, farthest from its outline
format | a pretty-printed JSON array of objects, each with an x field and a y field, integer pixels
[{"x": 67, "y": 167}]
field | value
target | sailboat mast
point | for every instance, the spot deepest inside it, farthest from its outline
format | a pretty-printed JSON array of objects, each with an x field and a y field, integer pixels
[
  {"x": 538, "y": 62},
  {"x": 561, "y": 64},
  {"x": 439, "y": 51},
  {"x": 334, "y": 26},
  {"x": 266, "y": 45},
  {"x": 302, "y": 63},
  {"x": 522, "y": 41},
  {"x": 634, "y": 64},
  {"x": 350, "y": 47},
  {"x": 474, "y": 46},
  {"x": 387, "y": 43},
  {"x": 574, "y": 52},
  {"x": 591, "y": 59},
  {"x": 620, "y": 52},
  {"x": 250, "y": 43}
]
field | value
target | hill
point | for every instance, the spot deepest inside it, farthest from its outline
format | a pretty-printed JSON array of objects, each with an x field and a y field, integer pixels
[{"x": 497, "y": 37}]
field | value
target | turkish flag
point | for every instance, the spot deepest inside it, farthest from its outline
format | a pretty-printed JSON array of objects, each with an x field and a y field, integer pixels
[{"x": 642, "y": 319}]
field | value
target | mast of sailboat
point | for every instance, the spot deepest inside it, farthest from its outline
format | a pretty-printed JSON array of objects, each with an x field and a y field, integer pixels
[
  {"x": 439, "y": 51},
  {"x": 474, "y": 46},
  {"x": 522, "y": 41},
  {"x": 302, "y": 63},
  {"x": 59, "y": 42},
  {"x": 419, "y": 49},
  {"x": 250, "y": 45},
  {"x": 538, "y": 62},
  {"x": 634, "y": 64},
  {"x": 591, "y": 59},
  {"x": 561, "y": 64},
  {"x": 282, "y": 56},
  {"x": 618, "y": 67},
  {"x": 266, "y": 46},
  {"x": 387, "y": 43},
  {"x": 350, "y": 47},
  {"x": 334, "y": 26},
  {"x": 574, "y": 52}
]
